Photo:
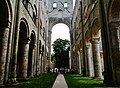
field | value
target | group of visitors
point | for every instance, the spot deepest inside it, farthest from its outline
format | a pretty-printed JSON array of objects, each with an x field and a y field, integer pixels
[{"x": 60, "y": 70}]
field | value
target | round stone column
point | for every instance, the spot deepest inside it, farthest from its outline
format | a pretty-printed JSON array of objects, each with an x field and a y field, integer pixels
[
  {"x": 79, "y": 61},
  {"x": 31, "y": 63},
  {"x": 38, "y": 64},
  {"x": 88, "y": 57},
  {"x": 40, "y": 61},
  {"x": 96, "y": 59},
  {"x": 33, "y": 57},
  {"x": 24, "y": 66},
  {"x": 3, "y": 53}
]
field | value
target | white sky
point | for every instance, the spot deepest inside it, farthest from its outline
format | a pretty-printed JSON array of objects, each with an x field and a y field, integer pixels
[
  {"x": 74, "y": 3},
  {"x": 60, "y": 31}
]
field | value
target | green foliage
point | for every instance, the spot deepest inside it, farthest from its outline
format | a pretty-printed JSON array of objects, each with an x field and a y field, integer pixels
[
  {"x": 77, "y": 81},
  {"x": 61, "y": 52},
  {"x": 44, "y": 81},
  {"x": 53, "y": 59}
]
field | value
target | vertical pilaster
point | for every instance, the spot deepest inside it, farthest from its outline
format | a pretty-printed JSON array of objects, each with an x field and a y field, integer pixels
[
  {"x": 107, "y": 51},
  {"x": 96, "y": 59}
]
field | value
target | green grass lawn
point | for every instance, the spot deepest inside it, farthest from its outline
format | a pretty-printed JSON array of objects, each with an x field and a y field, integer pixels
[
  {"x": 77, "y": 81},
  {"x": 44, "y": 81}
]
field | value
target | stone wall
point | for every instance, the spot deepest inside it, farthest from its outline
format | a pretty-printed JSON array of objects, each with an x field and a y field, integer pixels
[{"x": 24, "y": 44}]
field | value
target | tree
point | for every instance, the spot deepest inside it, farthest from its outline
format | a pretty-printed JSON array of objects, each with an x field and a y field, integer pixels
[{"x": 61, "y": 52}]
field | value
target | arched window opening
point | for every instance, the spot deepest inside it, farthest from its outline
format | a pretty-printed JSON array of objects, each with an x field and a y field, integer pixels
[
  {"x": 25, "y": 2},
  {"x": 65, "y": 5},
  {"x": 54, "y": 5},
  {"x": 35, "y": 14}
]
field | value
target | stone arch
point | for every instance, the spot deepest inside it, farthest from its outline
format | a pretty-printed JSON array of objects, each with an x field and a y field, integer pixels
[
  {"x": 95, "y": 28},
  {"x": 87, "y": 36},
  {"x": 5, "y": 27},
  {"x": 23, "y": 46},
  {"x": 115, "y": 10},
  {"x": 31, "y": 54},
  {"x": 24, "y": 21},
  {"x": 66, "y": 22}
]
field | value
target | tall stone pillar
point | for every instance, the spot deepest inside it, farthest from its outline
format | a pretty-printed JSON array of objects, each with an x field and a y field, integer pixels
[
  {"x": 24, "y": 57},
  {"x": 38, "y": 64},
  {"x": 88, "y": 57},
  {"x": 49, "y": 46},
  {"x": 32, "y": 64},
  {"x": 79, "y": 63},
  {"x": 3, "y": 53},
  {"x": 115, "y": 46},
  {"x": 41, "y": 64},
  {"x": 96, "y": 59},
  {"x": 40, "y": 61}
]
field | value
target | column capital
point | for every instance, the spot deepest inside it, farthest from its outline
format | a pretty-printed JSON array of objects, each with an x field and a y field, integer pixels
[
  {"x": 87, "y": 46},
  {"x": 9, "y": 24},
  {"x": 81, "y": 50},
  {"x": 95, "y": 40},
  {"x": 26, "y": 40},
  {"x": 33, "y": 46},
  {"x": 114, "y": 24}
]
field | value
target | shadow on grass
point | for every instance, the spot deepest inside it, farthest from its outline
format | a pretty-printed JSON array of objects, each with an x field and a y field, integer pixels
[{"x": 77, "y": 81}]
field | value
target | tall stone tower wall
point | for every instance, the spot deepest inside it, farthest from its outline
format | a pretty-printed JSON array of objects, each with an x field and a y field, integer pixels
[{"x": 60, "y": 11}]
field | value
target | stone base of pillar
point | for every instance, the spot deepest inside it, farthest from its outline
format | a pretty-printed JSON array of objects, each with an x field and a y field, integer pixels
[
  {"x": 98, "y": 78},
  {"x": 1, "y": 85},
  {"x": 13, "y": 80}
]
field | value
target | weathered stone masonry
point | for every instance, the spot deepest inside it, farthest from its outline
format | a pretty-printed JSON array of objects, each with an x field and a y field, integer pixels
[
  {"x": 25, "y": 37},
  {"x": 23, "y": 33},
  {"x": 100, "y": 24}
]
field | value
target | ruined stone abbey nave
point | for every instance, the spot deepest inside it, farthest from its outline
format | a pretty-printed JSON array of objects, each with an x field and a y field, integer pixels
[{"x": 25, "y": 37}]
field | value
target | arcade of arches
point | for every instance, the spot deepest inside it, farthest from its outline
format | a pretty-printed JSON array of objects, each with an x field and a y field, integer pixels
[{"x": 25, "y": 37}]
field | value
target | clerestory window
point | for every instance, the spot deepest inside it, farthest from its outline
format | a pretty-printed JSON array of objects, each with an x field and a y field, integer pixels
[
  {"x": 35, "y": 13},
  {"x": 65, "y": 5},
  {"x": 54, "y": 5},
  {"x": 25, "y": 2}
]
